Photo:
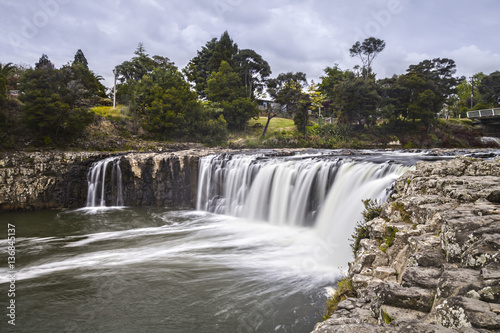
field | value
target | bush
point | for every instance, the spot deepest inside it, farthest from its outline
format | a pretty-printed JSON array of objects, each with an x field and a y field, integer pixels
[
  {"x": 390, "y": 235},
  {"x": 213, "y": 132},
  {"x": 344, "y": 290},
  {"x": 339, "y": 132},
  {"x": 372, "y": 210}
]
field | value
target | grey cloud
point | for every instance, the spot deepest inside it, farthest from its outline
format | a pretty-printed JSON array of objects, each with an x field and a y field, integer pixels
[{"x": 292, "y": 35}]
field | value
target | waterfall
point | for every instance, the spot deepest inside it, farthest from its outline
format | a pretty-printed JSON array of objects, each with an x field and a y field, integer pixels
[
  {"x": 322, "y": 193},
  {"x": 282, "y": 191},
  {"x": 105, "y": 183}
]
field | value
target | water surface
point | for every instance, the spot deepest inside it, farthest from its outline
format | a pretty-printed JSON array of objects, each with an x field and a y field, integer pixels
[{"x": 159, "y": 270}]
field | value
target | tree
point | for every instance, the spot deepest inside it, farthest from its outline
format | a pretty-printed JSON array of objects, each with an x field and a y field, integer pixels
[
  {"x": 439, "y": 74},
  {"x": 225, "y": 87},
  {"x": 49, "y": 109},
  {"x": 333, "y": 76},
  {"x": 317, "y": 97},
  {"x": 490, "y": 89},
  {"x": 238, "y": 112},
  {"x": 5, "y": 71},
  {"x": 435, "y": 75},
  {"x": 423, "y": 107},
  {"x": 394, "y": 97},
  {"x": 129, "y": 73},
  {"x": 80, "y": 58},
  {"x": 287, "y": 89},
  {"x": 357, "y": 100},
  {"x": 83, "y": 87},
  {"x": 44, "y": 62},
  {"x": 169, "y": 109},
  {"x": 224, "y": 50},
  {"x": 468, "y": 92},
  {"x": 301, "y": 117},
  {"x": 367, "y": 52},
  {"x": 197, "y": 70},
  {"x": 253, "y": 71},
  {"x": 249, "y": 65},
  {"x": 142, "y": 64},
  {"x": 209, "y": 60}
]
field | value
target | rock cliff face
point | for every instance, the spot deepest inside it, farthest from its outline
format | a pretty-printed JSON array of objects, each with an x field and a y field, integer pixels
[
  {"x": 31, "y": 181},
  {"x": 38, "y": 180},
  {"x": 42, "y": 180},
  {"x": 441, "y": 273},
  {"x": 163, "y": 180}
]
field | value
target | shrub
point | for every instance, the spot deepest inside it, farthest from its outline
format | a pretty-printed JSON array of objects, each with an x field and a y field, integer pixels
[
  {"x": 390, "y": 235},
  {"x": 400, "y": 207},
  {"x": 372, "y": 210},
  {"x": 344, "y": 290}
]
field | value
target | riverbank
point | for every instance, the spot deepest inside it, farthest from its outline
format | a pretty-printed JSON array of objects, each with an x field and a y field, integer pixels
[{"x": 430, "y": 262}]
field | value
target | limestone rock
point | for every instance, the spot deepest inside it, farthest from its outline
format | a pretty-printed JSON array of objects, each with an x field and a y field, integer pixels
[
  {"x": 462, "y": 312},
  {"x": 442, "y": 271},
  {"x": 413, "y": 298},
  {"x": 458, "y": 282},
  {"x": 59, "y": 179},
  {"x": 423, "y": 277}
]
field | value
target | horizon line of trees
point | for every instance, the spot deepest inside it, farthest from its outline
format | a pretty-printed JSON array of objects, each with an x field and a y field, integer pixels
[{"x": 217, "y": 92}]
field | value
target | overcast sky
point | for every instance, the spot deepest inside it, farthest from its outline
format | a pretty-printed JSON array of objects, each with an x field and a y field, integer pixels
[{"x": 292, "y": 35}]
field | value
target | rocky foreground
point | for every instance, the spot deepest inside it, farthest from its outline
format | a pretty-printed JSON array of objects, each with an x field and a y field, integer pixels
[{"x": 441, "y": 271}]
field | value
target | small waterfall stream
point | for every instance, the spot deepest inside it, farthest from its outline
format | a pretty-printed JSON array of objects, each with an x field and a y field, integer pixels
[{"x": 102, "y": 193}]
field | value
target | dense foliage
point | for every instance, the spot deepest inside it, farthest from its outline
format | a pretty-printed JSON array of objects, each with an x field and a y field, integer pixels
[
  {"x": 56, "y": 101},
  {"x": 217, "y": 94}
]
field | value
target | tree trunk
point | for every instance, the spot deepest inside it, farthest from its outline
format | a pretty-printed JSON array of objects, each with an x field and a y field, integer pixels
[
  {"x": 305, "y": 124},
  {"x": 269, "y": 117}
]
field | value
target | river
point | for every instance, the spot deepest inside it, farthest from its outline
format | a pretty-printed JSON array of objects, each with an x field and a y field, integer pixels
[{"x": 221, "y": 268}]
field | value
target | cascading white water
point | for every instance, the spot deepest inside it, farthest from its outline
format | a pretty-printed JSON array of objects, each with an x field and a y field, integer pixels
[
  {"x": 98, "y": 188},
  {"x": 324, "y": 194},
  {"x": 282, "y": 192},
  {"x": 344, "y": 204}
]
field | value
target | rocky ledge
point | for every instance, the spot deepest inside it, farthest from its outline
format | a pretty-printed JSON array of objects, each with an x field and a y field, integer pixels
[
  {"x": 41, "y": 180},
  {"x": 431, "y": 260},
  {"x": 58, "y": 179},
  {"x": 37, "y": 180}
]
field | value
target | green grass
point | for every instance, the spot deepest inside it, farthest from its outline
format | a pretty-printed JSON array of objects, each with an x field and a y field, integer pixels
[
  {"x": 344, "y": 290},
  {"x": 120, "y": 111},
  {"x": 386, "y": 317},
  {"x": 275, "y": 125}
]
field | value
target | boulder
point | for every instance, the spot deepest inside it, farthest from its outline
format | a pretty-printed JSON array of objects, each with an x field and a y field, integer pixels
[
  {"x": 462, "y": 312},
  {"x": 414, "y": 298},
  {"x": 494, "y": 197}
]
